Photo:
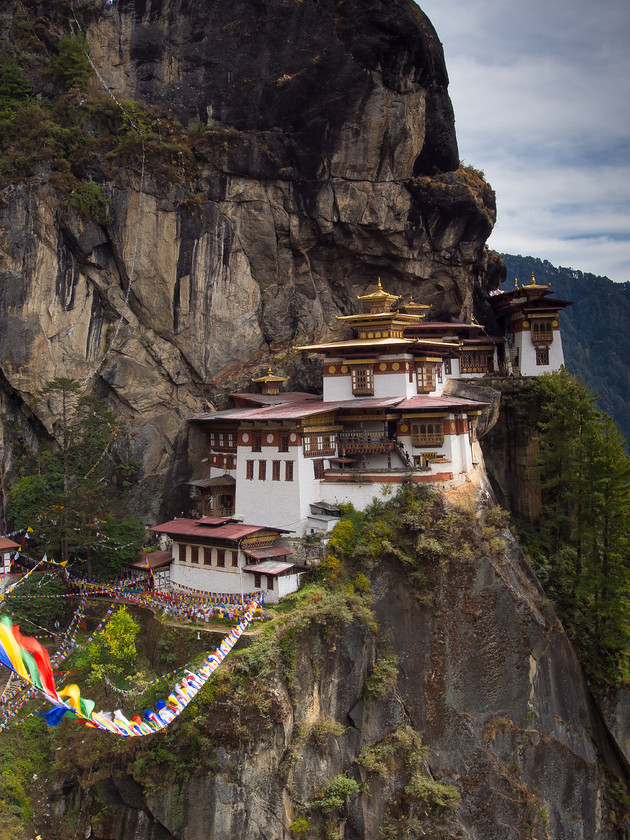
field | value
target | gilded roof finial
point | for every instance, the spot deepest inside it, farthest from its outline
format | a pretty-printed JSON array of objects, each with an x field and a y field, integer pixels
[
  {"x": 516, "y": 282},
  {"x": 533, "y": 280}
]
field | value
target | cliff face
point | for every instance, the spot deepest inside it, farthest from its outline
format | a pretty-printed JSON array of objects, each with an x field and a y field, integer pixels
[
  {"x": 325, "y": 156},
  {"x": 486, "y": 678}
]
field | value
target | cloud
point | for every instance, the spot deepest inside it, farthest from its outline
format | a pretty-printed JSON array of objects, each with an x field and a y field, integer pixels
[{"x": 540, "y": 93}]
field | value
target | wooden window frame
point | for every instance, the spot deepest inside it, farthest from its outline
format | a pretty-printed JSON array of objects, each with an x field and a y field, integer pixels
[
  {"x": 275, "y": 470},
  {"x": 362, "y": 380},
  {"x": 427, "y": 433},
  {"x": 234, "y": 559},
  {"x": 426, "y": 376},
  {"x": 249, "y": 470},
  {"x": 323, "y": 443},
  {"x": 476, "y": 361},
  {"x": 207, "y": 557},
  {"x": 288, "y": 471},
  {"x": 256, "y": 441},
  {"x": 542, "y": 331},
  {"x": 542, "y": 356},
  {"x": 262, "y": 471},
  {"x": 194, "y": 554},
  {"x": 283, "y": 444},
  {"x": 318, "y": 469},
  {"x": 221, "y": 558}
]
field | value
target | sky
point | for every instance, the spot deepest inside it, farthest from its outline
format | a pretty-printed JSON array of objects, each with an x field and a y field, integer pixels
[{"x": 541, "y": 93}]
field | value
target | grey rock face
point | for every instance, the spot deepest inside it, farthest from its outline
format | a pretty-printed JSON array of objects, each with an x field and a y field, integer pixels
[
  {"x": 486, "y": 676},
  {"x": 331, "y": 161}
]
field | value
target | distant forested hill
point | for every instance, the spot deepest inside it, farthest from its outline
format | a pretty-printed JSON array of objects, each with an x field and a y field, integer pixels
[{"x": 595, "y": 330}]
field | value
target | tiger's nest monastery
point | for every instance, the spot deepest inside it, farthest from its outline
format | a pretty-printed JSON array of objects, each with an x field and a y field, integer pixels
[{"x": 387, "y": 415}]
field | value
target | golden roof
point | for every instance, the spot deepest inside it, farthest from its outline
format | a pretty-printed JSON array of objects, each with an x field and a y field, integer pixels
[
  {"x": 380, "y": 300},
  {"x": 411, "y": 307},
  {"x": 534, "y": 284},
  {"x": 270, "y": 377}
]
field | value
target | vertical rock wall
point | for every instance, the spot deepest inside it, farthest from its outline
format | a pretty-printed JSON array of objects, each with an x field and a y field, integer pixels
[{"x": 325, "y": 157}]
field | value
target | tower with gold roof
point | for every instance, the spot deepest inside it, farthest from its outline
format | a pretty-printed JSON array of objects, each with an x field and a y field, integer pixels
[{"x": 380, "y": 360}]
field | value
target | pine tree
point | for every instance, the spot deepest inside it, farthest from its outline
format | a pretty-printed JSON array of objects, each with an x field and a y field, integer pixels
[
  {"x": 69, "y": 496},
  {"x": 585, "y": 555}
]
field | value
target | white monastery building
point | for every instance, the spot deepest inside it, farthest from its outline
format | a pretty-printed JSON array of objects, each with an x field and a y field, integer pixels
[{"x": 386, "y": 415}]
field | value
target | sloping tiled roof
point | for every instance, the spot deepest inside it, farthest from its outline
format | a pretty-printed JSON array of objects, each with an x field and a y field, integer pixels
[
  {"x": 297, "y": 410},
  {"x": 6, "y": 543},
  {"x": 157, "y": 560},
  {"x": 430, "y": 403},
  {"x": 218, "y": 481},
  {"x": 275, "y": 399},
  {"x": 268, "y": 552},
  {"x": 196, "y": 528},
  {"x": 269, "y": 567}
]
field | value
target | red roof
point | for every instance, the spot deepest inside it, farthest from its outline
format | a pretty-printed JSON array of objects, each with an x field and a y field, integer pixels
[
  {"x": 269, "y": 551},
  {"x": 295, "y": 411},
  {"x": 196, "y": 528},
  {"x": 6, "y": 543},
  {"x": 430, "y": 403}
]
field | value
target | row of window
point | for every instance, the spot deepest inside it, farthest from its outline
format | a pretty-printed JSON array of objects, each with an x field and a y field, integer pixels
[
  {"x": 427, "y": 434},
  {"x": 276, "y": 470},
  {"x": 204, "y": 556},
  {"x": 283, "y": 443},
  {"x": 476, "y": 361},
  {"x": 322, "y": 444},
  {"x": 223, "y": 440}
]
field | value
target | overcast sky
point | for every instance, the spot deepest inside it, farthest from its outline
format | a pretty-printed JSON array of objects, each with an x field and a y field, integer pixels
[{"x": 541, "y": 92}]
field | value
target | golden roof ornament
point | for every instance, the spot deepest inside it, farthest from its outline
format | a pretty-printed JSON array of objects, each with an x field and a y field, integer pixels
[
  {"x": 380, "y": 300},
  {"x": 535, "y": 285},
  {"x": 270, "y": 382}
]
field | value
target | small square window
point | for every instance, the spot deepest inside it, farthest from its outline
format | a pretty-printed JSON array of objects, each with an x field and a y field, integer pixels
[{"x": 542, "y": 355}]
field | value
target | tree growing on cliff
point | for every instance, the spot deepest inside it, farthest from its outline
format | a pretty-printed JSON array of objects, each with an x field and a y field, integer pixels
[
  {"x": 112, "y": 655},
  {"x": 583, "y": 556},
  {"x": 67, "y": 494}
]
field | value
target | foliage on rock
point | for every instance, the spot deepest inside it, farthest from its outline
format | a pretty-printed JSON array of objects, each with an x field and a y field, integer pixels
[{"x": 580, "y": 547}]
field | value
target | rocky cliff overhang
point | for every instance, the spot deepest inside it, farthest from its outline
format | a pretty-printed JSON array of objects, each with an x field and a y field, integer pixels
[{"x": 320, "y": 153}]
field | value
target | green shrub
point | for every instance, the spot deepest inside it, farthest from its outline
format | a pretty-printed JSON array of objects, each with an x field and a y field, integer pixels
[
  {"x": 299, "y": 827},
  {"x": 323, "y": 729},
  {"x": 382, "y": 678},
  {"x": 90, "y": 201},
  {"x": 433, "y": 797},
  {"x": 335, "y": 793}
]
